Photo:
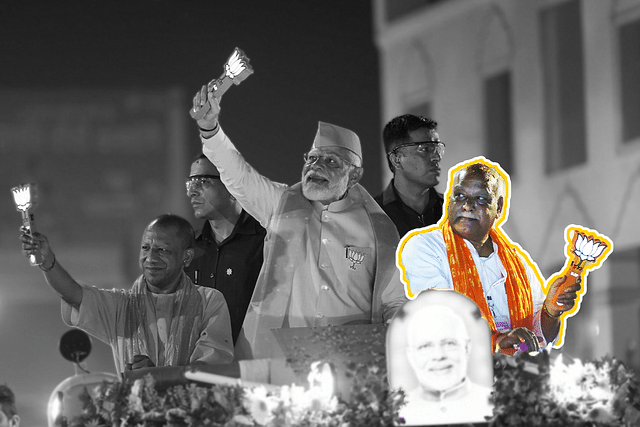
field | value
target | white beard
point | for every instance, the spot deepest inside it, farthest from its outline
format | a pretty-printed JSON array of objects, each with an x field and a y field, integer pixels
[{"x": 326, "y": 191}]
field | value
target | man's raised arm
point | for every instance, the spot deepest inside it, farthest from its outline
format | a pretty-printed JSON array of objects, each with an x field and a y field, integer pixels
[
  {"x": 258, "y": 195},
  {"x": 56, "y": 276}
]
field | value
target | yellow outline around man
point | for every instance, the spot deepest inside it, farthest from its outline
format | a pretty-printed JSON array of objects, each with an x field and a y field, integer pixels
[{"x": 468, "y": 251}]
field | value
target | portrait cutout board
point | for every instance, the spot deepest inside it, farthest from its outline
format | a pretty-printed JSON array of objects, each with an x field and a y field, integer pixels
[{"x": 439, "y": 353}]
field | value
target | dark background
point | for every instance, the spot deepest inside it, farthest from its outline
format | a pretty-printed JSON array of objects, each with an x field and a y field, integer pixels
[{"x": 312, "y": 60}]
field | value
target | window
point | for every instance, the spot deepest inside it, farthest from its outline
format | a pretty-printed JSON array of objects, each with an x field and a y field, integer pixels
[
  {"x": 624, "y": 297},
  {"x": 416, "y": 81},
  {"x": 423, "y": 109},
  {"x": 563, "y": 73},
  {"x": 495, "y": 60},
  {"x": 629, "y": 45},
  {"x": 497, "y": 117},
  {"x": 396, "y": 9}
]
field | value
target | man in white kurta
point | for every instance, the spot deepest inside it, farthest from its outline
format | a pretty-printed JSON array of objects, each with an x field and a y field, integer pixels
[
  {"x": 468, "y": 253},
  {"x": 426, "y": 256},
  {"x": 330, "y": 249}
]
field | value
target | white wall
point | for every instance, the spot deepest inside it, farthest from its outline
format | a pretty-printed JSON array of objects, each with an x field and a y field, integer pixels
[{"x": 455, "y": 38}]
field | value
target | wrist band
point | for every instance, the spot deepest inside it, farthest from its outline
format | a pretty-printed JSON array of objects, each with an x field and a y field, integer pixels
[
  {"x": 53, "y": 264},
  {"x": 215, "y": 129},
  {"x": 549, "y": 314}
]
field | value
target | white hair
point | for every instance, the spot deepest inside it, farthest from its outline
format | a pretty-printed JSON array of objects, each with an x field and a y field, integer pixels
[{"x": 490, "y": 175}]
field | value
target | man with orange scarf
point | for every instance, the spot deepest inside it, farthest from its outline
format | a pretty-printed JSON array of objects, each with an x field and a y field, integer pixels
[{"x": 467, "y": 253}]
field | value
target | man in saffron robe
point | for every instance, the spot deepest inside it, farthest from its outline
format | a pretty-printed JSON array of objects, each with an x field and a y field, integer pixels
[
  {"x": 164, "y": 320},
  {"x": 465, "y": 252}
]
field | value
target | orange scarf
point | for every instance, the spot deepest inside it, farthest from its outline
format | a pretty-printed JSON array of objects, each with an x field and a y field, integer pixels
[{"x": 467, "y": 282}]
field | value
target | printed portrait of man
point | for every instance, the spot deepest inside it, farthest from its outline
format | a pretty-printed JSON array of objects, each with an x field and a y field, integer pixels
[{"x": 439, "y": 354}]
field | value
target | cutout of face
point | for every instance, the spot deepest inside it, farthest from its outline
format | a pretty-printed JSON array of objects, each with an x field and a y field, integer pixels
[{"x": 438, "y": 348}]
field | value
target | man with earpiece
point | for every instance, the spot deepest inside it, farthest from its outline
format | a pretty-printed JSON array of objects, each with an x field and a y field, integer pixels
[{"x": 228, "y": 250}]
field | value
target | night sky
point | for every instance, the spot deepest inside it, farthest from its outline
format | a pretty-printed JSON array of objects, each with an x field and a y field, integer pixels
[{"x": 312, "y": 60}]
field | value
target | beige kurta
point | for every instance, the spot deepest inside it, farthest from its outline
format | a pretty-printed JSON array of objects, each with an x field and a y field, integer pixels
[
  {"x": 112, "y": 316},
  {"x": 323, "y": 265}
]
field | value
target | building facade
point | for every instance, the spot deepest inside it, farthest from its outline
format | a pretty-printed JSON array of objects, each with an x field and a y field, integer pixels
[{"x": 550, "y": 89}]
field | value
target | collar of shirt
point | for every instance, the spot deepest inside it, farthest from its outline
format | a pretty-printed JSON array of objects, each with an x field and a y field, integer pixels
[
  {"x": 246, "y": 224},
  {"x": 390, "y": 195},
  {"x": 337, "y": 206},
  {"x": 458, "y": 390}
]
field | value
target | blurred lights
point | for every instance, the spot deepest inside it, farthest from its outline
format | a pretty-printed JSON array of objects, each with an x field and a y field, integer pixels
[{"x": 55, "y": 406}]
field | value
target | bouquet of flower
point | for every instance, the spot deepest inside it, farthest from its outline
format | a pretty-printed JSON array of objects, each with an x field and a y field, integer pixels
[{"x": 140, "y": 404}]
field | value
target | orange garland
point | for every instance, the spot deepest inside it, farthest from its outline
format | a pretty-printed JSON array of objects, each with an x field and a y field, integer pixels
[{"x": 467, "y": 282}]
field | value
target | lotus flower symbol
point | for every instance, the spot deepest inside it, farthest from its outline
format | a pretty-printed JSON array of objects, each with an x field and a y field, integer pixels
[
  {"x": 585, "y": 251},
  {"x": 588, "y": 249},
  {"x": 235, "y": 65},
  {"x": 355, "y": 257},
  {"x": 236, "y": 70},
  {"x": 22, "y": 197}
]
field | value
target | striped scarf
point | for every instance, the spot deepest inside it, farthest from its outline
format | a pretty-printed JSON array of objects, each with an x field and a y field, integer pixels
[
  {"x": 184, "y": 329},
  {"x": 467, "y": 281}
]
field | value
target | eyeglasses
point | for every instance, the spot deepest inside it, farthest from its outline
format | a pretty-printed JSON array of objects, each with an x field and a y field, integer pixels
[
  {"x": 330, "y": 160},
  {"x": 424, "y": 147},
  {"x": 196, "y": 182}
]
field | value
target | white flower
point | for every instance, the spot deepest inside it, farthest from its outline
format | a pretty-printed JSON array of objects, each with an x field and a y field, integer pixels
[
  {"x": 321, "y": 383},
  {"x": 260, "y": 405},
  {"x": 584, "y": 386},
  {"x": 243, "y": 420},
  {"x": 135, "y": 397}
]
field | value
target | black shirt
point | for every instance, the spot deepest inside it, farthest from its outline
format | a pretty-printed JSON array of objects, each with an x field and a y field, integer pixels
[
  {"x": 404, "y": 217},
  {"x": 232, "y": 267}
]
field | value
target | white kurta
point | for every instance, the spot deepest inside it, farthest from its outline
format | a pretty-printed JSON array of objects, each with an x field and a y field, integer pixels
[
  {"x": 424, "y": 257},
  {"x": 323, "y": 265}
]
